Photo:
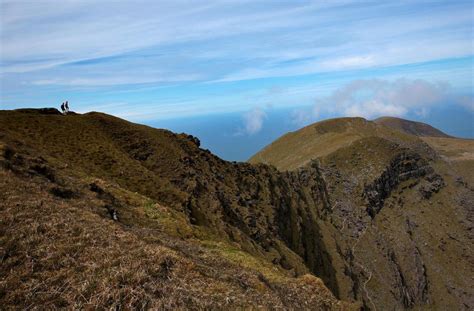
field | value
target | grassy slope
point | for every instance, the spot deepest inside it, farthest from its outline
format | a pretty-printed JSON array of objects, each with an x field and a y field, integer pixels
[
  {"x": 456, "y": 151},
  {"x": 66, "y": 252},
  {"x": 144, "y": 169},
  {"x": 393, "y": 251},
  {"x": 58, "y": 253},
  {"x": 410, "y": 127},
  {"x": 169, "y": 169},
  {"x": 400, "y": 241},
  {"x": 295, "y": 149}
]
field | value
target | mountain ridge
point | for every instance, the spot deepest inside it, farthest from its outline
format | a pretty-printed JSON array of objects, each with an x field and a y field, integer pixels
[
  {"x": 324, "y": 137},
  {"x": 372, "y": 171},
  {"x": 162, "y": 188},
  {"x": 346, "y": 217}
]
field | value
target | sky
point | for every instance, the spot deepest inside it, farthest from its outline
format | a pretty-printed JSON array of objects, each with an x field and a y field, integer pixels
[{"x": 188, "y": 65}]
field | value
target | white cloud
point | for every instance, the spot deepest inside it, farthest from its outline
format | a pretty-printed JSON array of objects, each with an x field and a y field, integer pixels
[
  {"x": 373, "y": 108},
  {"x": 51, "y": 47},
  {"x": 374, "y": 98},
  {"x": 252, "y": 122}
]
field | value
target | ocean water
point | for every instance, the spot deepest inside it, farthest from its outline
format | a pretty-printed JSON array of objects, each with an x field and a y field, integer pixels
[{"x": 223, "y": 134}]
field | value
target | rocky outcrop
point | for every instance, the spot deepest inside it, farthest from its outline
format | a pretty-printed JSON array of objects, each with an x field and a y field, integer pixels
[
  {"x": 433, "y": 183},
  {"x": 402, "y": 167},
  {"x": 260, "y": 207}
]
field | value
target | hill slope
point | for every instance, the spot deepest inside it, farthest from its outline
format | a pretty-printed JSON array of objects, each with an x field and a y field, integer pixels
[
  {"x": 410, "y": 127},
  {"x": 296, "y": 149},
  {"x": 388, "y": 190},
  {"x": 194, "y": 231},
  {"x": 190, "y": 230}
]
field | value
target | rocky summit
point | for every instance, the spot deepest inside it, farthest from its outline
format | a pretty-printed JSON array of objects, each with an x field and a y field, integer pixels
[{"x": 345, "y": 214}]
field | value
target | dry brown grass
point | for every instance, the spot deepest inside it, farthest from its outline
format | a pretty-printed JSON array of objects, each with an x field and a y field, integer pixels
[
  {"x": 60, "y": 249},
  {"x": 58, "y": 253},
  {"x": 410, "y": 127},
  {"x": 458, "y": 152}
]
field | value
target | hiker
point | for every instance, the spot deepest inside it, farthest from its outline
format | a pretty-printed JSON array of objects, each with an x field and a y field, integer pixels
[
  {"x": 62, "y": 108},
  {"x": 66, "y": 106}
]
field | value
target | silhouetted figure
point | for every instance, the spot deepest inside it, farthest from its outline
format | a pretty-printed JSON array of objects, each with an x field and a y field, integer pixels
[
  {"x": 63, "y": 108},
  {"x": 66, "y": 106}
]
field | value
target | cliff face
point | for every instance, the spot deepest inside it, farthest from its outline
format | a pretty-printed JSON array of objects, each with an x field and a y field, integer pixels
[
  {"x": 402, "y": 167},
  {"x": 269, "y": 213},
  {"x": 72, "y": 240},
  {"x": 160, "y": 186},
  {"x": 395, "y": 203},
  {"x": 360, "y": 217}
]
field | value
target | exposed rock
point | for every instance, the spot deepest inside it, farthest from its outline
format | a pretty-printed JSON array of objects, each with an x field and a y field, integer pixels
[
  {"x": 434, "y": 183},
  {"x": 401, "y": 168},
  {"x": 62, "y": 192}
]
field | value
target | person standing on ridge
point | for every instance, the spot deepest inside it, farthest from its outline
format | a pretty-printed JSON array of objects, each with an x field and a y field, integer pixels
[
  {"x": 66, "y": 106},
  {"x": 62, "y": 108}
]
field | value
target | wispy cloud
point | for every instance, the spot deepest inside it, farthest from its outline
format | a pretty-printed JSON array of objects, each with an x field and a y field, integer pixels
[
  {"x": 54, "y": 47},
  {"x": 46, "y": 34}
]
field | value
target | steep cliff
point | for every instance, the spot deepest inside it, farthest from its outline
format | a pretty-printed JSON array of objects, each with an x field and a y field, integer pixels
[
  {"x": 400, "y": 213},
  {"x": 161, "y": 188},
  {"x": 378, "y": 215}
]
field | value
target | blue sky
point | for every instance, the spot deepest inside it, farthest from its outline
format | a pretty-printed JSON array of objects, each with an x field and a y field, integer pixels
[{"x": 171, "y": 60}]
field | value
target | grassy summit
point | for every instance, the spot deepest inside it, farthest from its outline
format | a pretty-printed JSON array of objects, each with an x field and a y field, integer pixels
[{"x": 295, "y": 149}]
